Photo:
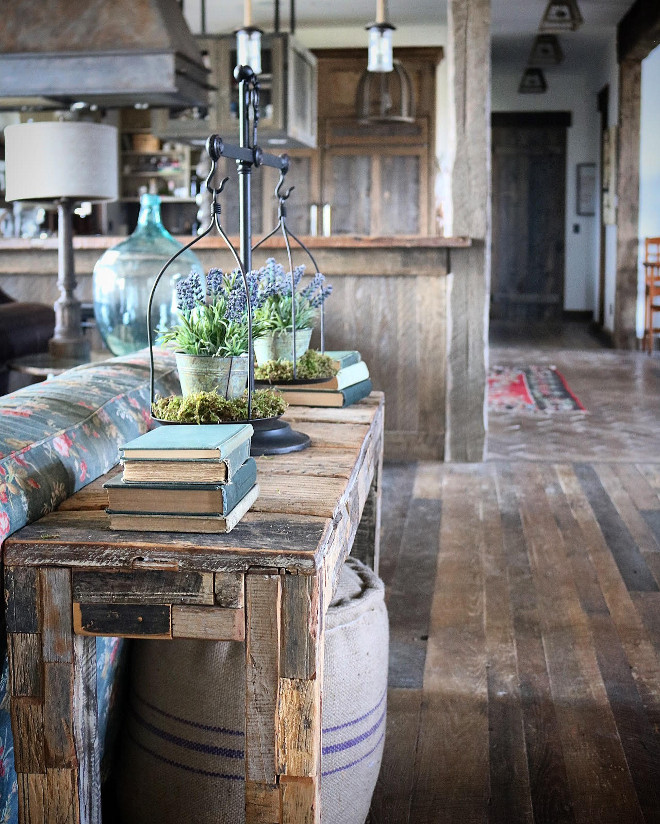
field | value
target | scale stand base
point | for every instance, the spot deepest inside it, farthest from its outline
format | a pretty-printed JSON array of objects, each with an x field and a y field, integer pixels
[{"x": 276, "y": 438}]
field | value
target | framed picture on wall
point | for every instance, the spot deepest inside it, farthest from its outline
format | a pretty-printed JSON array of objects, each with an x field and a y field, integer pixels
[{"x": 586, "y": 189}]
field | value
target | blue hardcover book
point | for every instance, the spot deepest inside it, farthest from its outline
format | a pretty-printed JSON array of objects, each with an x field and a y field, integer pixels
[
  {"x": 181, "y": 498},
  {"x": 327, "y": 397},
  {"x": 188, "y": 442},
  {"x": 196, "y": 470}
]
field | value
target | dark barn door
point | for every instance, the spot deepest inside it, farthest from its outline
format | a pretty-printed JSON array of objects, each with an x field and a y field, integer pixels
[{"x": 529, "y": 174}]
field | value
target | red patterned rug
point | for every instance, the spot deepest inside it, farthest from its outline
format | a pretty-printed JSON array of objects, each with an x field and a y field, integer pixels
[{"x": 530, "y": 389}]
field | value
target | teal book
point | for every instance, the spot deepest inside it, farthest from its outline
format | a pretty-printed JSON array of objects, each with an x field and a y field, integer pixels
[
  {"x": 188, "y": 441},
  {"x": 181, "y": 498},
  {"x": 214, "y": 524},
  {"x": 344, "y": 357},
  {"x": 196, "y": 470},
  {"x": 347, "y": 376},
  {"x": 337, "y": 398}
]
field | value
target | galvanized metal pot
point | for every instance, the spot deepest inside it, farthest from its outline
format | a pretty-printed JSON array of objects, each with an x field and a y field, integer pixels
[
  {"x": 203, "y": 373},
  {"x": 276, "y": 345}
]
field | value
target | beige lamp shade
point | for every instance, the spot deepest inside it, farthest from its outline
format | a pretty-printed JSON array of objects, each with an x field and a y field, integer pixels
[{"x": 53, "y": 160}]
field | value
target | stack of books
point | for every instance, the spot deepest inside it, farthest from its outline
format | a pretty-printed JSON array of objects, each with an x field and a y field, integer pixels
[
  {"x": 197, "y": 478},
  {"x": 349, "y": 385}
]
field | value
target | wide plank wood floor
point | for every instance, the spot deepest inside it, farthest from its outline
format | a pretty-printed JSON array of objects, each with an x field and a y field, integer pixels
[{"x": 524, "y": 602}]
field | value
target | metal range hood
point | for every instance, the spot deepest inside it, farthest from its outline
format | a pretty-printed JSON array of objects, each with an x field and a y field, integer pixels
[{"x": 110, "y": 53}]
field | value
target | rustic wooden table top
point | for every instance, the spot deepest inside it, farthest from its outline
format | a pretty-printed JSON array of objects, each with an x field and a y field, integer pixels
[{"x": 307, "y": 503}]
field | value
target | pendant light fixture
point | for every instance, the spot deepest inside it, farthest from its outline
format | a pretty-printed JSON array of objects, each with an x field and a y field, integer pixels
[
  {"x": 546, "y": 51},
  {"x": 380, "y": 42},
  {"x": 532, "y": 82},
  {"x": 561, "y": 15},
  {"x": 248, "y": 41}
]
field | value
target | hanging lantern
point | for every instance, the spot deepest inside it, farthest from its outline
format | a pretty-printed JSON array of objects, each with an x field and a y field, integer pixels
[
  {"x": 385, "y": 98},
  {"x": 546, "y": 51},
  {"x": 532, "y": 82},
  {"x": 561, "y": 15}
]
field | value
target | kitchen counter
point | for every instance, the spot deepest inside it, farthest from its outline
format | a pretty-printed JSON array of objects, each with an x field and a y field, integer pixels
[{"x": 391, "y": 300}]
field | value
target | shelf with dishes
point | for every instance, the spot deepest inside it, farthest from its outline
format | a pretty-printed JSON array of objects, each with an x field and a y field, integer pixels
[{"x": 165, "y": 172}]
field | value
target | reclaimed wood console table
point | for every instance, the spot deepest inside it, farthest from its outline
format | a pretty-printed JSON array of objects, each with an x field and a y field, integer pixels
[{"x": 68, "y": 578}]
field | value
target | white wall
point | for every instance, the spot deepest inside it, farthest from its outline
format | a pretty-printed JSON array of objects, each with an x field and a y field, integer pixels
[
  {"x": 574, "y": 93},
  {"x": 649, "y": 166}
]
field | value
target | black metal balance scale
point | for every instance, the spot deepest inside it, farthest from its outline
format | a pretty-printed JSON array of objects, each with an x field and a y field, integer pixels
[{"x": 272, "y": 436}]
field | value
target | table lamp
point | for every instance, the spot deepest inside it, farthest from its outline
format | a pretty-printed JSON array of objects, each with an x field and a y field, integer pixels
[{"x": 66, "y": 162}]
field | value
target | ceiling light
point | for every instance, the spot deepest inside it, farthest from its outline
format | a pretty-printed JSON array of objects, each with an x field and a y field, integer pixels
[
  {"x": 386, "y": 98},
  {"x": 380, "y": 41},
  {"x": 248, "y": 41},
  {"x": 532, "y": 82},
  {"x": 561, "y": 16},
  {"x": 546, "y": 51}
]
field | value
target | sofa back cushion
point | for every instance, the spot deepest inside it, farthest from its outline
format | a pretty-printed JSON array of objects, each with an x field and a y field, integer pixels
[{"x": 56, "y": 437}]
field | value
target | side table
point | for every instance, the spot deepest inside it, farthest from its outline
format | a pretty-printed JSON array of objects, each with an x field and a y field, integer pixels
[
  {"x": 45, "y": 365},
  {"x": 268, "y": 583}
]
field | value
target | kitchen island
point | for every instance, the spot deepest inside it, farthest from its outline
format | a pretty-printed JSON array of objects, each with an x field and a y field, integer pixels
[{"x": 394, "y": 300}]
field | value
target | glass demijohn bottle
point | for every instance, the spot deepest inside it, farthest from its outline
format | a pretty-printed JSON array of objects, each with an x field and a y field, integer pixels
[{"x": 123, "y": 277}]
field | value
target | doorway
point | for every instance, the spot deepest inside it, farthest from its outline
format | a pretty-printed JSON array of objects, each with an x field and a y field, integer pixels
[{"x": 529, "y": 197}]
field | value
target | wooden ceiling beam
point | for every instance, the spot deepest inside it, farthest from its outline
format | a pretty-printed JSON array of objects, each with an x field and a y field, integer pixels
[{"x": 638, "y": 32}]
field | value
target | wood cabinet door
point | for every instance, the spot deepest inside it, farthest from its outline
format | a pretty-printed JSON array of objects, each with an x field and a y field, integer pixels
[{"x": 376, "y": 193}]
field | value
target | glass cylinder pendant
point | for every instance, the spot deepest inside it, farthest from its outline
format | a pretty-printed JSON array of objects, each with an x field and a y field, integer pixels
[
  {"x": 248, "y": 48},
  {"x": 380, "y": 48}
]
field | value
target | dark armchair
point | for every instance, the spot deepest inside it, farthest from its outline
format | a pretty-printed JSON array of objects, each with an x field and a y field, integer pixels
[{"x": 25, "y": 329}]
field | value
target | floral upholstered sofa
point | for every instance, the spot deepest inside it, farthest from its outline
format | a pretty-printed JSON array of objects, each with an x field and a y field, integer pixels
[{"x": 56, "y": 437}]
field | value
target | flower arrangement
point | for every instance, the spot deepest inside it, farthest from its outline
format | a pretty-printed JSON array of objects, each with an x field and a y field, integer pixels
[
  {"x": 275, "y": 309},
  {"x": 213, "y": 321}
]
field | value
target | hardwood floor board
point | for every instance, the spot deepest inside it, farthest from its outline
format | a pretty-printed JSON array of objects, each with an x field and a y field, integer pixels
[
  {"x": 651, "y": 472},
  {"x": 452, "y": 784},
  {"x": 411, "y": 592},
  {"x": 510, "y": 796},
  {"x": 640, "y": 742},
  {"x": 549, "y": 790},
  {"x": 640, "y": 530},
  {"x": 652, "y": 518},
  {"x": 639, "y": 650},
  {"x": 583, "y": 572},
  {"x": 593, "y": 754},
  {"x": 392, "y": 796},
  {"x": 647, "y": 605},
  {"x": 637, "y": 486},
  {"x": 629, "y": 559}
]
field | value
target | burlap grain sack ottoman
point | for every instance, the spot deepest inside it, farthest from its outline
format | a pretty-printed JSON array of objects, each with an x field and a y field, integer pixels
[{"x": 181, "y": 758}]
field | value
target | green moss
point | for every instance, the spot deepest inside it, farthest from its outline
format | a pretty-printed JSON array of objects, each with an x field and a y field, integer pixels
[
  {"x": 209, "y": 407},
  {"x": 310, "y": 365}
]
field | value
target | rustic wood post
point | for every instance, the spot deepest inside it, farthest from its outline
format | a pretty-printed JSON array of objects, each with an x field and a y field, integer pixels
[
  {"x": 469, "y": 278},
  {"x": 627, "y": 218},
  {"x": 637, "y": 36}
]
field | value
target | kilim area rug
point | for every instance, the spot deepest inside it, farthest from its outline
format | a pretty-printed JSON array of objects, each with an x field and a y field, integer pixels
[{"x": 530, "y": 389}]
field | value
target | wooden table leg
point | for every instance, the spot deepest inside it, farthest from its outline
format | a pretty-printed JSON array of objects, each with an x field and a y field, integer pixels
[
  {"x": 262, "y": 634},
  {"x": 299, "y": 702},
  {"x": 56, "y": 760},
  {"x": 284, "y": 668}
]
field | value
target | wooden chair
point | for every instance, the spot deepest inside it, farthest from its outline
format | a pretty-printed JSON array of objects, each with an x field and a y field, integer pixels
[{"x": 652, "y": 291}]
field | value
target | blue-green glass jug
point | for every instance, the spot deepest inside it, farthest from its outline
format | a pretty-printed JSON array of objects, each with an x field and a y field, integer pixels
[{"x": 123, "y": 277}]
